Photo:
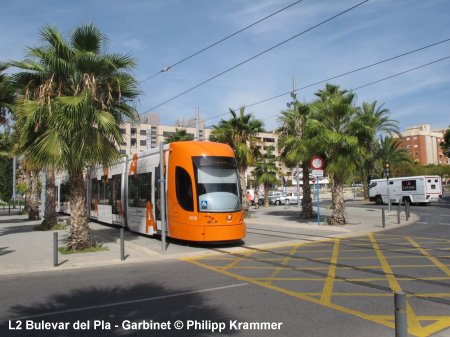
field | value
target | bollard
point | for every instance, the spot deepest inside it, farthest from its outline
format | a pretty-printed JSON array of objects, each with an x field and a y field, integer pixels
[
  {"x": 408, "y": 210},
  {"x": 287, "y": 203},
  {"x": 383, "y": 219},
  {"x": 55, "y": 249},
  {"x": 401, "y": 322},
  {"x": 9, "y": 209},
  {"x": 122, "y": 245},
  {"x": 398, "y": 213}
]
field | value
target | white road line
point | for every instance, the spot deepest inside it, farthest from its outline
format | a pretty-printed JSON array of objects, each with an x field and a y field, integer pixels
[
  {"x": 148, "y": 299},
  {"x": 423, "y": 223},
  {"x": 423, "y": 214}
]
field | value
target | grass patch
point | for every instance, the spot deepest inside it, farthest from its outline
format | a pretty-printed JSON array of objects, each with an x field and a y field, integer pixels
[
  {"x": 97, "y": 248},
  {"x": 56, "y": 227}
]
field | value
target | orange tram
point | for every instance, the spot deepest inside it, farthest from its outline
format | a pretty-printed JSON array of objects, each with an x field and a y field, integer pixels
[{"x": 200, "y": 199}]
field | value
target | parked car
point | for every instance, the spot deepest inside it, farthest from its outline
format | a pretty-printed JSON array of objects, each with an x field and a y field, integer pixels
[{"x": 281, "y": 199}]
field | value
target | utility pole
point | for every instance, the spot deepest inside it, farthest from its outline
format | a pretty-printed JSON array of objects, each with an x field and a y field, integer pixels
[
  {"x": 294, "y": 106},
  {"x": 14, "y": 181}
]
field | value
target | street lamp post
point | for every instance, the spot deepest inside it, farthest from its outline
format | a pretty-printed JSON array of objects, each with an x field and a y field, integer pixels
[{"x": 387, "y": 172}]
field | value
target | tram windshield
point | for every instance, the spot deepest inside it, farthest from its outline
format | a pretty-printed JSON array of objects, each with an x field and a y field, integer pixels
[{"x": 217, "y": 184}]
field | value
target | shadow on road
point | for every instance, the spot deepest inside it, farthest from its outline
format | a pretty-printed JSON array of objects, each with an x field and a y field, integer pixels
[
  {"x": 4, "y": 251},
  {"x": 116, "y": 306}
]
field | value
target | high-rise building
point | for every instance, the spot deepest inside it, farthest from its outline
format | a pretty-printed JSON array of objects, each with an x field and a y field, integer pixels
[{"x": 424, "y": 144}]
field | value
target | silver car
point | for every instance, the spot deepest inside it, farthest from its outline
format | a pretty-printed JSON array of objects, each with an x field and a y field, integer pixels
[{"x": 282, "y": 199}]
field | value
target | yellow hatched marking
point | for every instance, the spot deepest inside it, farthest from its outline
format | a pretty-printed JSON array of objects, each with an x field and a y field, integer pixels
[
  {"x": 236, "y": 260},
  {"x": 296, "y": 294},
  {"x": 285, "y": 260},
  {"x": 395, "y": 286},
  {"x": 233, "y": 263},
  {"x": 432, "y": 324},
  {"x": 435, "y": 261},
  {"x": 413, "y": 323},
  {"x": 328, "y": 286}
]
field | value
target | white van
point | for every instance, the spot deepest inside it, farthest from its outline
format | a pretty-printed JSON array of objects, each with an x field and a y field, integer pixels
[{"x": 418, "y": 189}]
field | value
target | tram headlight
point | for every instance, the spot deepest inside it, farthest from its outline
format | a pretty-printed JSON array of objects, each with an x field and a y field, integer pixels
[{"x": 229, "y": 217}]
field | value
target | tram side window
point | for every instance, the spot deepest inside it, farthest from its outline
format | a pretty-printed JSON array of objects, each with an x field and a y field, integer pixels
[
  {"x": 105, "y": 191},
  {"x": 65, "y": 192},
  {"x": 94, "y": 193},
  {"x": 116, "y": 183},
  {"x": 139, "y": 189},
  {"x": 183, "y": 186}
]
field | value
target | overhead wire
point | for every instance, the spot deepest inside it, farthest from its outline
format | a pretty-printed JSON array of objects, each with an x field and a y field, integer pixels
[
  {"x": 167, "y": 68},
  {"x": 257, "y": 55},
  {"x": 395, "y": 75},
  {"x": 351, "y": 72}
]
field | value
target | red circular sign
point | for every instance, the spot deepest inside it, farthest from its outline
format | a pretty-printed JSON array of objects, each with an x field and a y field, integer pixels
[{"x": 316, "y": 163}]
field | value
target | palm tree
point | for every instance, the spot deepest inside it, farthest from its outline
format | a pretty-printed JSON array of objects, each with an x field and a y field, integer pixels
[
  {"x": 389, "y": 149},
  {"x": 335, "y": 134},
  {"x": 84, "y": 97},
  {"x": 5, "y": 166},
  {"x": 7, "y": 94},
  {"x": 240, "y": 133},
  {"x": 179, "y": 135},
  {"x": 374, "y": 120},
  {"x": 266, "y": 172},
  {"x": 294, "y": 146}
]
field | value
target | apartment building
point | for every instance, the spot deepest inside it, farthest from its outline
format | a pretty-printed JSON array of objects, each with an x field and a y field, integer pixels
[
  {"x": 423, "y": 144},
  {"x": 149, "y": 133}
]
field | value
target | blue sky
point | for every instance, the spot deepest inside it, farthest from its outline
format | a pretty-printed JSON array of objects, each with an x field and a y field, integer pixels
[{"x": 159, "y": 33}]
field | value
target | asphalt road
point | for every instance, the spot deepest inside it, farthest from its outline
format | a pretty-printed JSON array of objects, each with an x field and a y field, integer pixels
[{"x": 338, "y": 287}]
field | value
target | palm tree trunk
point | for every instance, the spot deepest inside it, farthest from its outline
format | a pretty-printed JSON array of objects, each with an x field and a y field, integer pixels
[
  {"x": 365, "y": 183},
  {"x": 79, "y": 237},
  {"x": 33, "y": 212},
  {"x": 338, "y": 217},
  {"x": 307, "y": 207},
  {"x": 333, "y": 194},
  {"x": 50, "y": 218},
  {"x": 26, "y": 178},
  {"x": 266, "y": 195}
]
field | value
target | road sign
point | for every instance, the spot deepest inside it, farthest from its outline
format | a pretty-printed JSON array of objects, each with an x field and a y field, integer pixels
[
  {"x": 316, "y": 163},
  {"x": 317, "y": 173}
]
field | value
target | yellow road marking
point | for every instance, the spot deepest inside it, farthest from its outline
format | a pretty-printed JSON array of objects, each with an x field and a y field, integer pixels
[
  {"x": 328, "y": 286},
  {"x": 413, "y": 322},
  {"x": 395, "y": 286},
  {"x": 285, "y": 261},
  {"x": 417, "y": 325},
  {"x": 296, "y": 294},
  {"x": 435, "y": 261}
]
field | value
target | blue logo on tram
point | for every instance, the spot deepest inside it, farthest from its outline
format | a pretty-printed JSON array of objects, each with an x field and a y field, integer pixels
[{"x": 204, "y": 204}]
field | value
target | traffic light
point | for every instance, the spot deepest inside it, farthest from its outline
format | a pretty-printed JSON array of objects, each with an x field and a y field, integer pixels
[{"x": 387, "y": 169}]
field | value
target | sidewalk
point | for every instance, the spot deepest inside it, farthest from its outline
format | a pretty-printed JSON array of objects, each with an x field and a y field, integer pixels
[{"x": 23, "y": 250}]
